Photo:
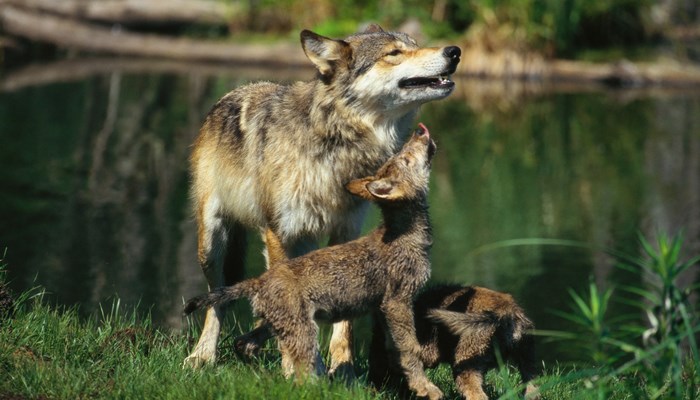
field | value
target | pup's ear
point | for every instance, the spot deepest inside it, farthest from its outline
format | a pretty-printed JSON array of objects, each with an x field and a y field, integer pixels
[
  {"x": 324, "y": 52},
  {"x": 373, "y": 28},
  {"x": 384, "y": 189},
  {"x": 358, "y": 187}
]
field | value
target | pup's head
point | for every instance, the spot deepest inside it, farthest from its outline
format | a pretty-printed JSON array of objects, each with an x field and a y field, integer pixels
[
  {"x": 404, "y": 177},
  {"x": 385, "y": 69}
]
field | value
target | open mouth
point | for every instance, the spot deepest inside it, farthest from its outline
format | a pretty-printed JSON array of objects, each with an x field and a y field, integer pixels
[{"x": 436, "y": 82}]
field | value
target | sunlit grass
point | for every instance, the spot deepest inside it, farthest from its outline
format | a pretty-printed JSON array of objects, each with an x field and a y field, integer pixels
[{"x": 49, "y": 352}]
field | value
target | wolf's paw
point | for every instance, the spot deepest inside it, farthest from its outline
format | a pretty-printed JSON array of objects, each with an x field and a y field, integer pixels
[{"x": 198, "y": 360}]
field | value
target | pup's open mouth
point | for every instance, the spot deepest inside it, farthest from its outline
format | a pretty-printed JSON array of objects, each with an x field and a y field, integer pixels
[{"x": 437, "y": 82}]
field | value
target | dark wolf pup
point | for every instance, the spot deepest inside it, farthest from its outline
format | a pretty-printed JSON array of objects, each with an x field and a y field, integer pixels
[
  {"x": 463, "y": 326},
  {"x": 277, "y": 156},
  {"x": 379, "y": 272}
]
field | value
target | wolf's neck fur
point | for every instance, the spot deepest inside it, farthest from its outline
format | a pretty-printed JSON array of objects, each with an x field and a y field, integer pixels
[
  {"x": 407, "y": 221},
  {"x": 345, "y": 117}
]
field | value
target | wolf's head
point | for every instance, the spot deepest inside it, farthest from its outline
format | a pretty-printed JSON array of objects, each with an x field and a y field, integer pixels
[
  {"x": 387, "y": 71},
  {"x": 404, "y": 176}
]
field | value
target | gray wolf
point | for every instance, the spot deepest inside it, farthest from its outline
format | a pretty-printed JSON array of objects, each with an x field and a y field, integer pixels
[
  {"x": 277, "y": 156},
  {"x": 465, "y": 327},
  {"x": 380, "y": 272}
]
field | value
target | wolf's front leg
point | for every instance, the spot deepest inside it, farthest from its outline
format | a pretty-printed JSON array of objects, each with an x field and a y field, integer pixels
[
  {"x": 398, "y": 315},
  {"x": 340, "y": 350}
]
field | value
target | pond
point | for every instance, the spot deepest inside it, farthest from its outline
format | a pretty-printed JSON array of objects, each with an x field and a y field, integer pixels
[{"x": 95, "y": 204}]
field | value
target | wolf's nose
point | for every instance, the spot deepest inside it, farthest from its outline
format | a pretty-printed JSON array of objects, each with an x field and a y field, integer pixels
[{"x": 452, "y": 52}]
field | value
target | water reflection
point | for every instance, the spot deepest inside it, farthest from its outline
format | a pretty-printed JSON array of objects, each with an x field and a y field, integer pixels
[{"x": 94, "y": 185}]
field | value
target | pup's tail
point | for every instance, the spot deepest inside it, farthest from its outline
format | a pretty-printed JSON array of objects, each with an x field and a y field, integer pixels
[
  {"x": 460, "y": 323},
  {"x": 220, "y": 296}
]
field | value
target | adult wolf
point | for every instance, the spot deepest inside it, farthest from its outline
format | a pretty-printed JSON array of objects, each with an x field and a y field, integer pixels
[{"x": 278, "y": 156}]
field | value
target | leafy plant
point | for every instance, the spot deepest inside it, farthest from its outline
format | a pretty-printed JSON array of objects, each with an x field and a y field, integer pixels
[{"x": 661, "y": 350}]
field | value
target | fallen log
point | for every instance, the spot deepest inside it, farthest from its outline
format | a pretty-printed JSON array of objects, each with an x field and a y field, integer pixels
[
  {"x": 76, "y": 69},
  {"x": 68, "y": 33},
  {"x": 136, "y": 11},
  {"x": 511, "y": 64}
]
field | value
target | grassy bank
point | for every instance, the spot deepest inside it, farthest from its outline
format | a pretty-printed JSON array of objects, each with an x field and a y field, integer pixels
[
  {"x": 46, "y": 353},
  {"x": 52, "y": 353}
]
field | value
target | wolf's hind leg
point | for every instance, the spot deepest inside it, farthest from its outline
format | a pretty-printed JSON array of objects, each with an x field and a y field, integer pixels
[{"x": 214, "y": 239}]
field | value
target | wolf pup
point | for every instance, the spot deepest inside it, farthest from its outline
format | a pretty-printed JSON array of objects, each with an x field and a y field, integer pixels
[
  {"x": 379, "y": 272},
  {"x": 277, "y": 156},
  {"x": 463, "y": 326}
]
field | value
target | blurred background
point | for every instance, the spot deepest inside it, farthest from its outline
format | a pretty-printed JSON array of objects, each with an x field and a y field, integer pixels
[{"x": 572, "y": 120}]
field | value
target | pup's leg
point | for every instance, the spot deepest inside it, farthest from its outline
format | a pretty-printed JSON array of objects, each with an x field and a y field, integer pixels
[
  {"x": 378, "y": 362},
  {"x": 340, "y": 347},
  {"x": 383, "y": 360},
  {"x": 524, "y": 356},
  {"x": 212, "y": 249},
  {"x": 473, "y": 357},
  {"x": 298, "y": 344},
  {"x": 249, "y": 344},
  {"x": 400, "y": 324},
  {"x": 470, "y": 383}
]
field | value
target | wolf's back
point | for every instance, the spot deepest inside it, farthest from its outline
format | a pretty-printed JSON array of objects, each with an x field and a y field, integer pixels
[{"x": 220, "y": 296}]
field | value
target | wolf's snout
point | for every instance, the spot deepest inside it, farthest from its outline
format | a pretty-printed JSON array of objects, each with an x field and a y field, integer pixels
[{"x": 452, "y": 52}]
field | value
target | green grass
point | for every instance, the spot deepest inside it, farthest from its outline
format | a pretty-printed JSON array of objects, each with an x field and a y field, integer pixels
[{"x": 52, "y": 353}]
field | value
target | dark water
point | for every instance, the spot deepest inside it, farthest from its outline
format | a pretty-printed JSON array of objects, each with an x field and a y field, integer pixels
[{"x": 94, "y": 205}]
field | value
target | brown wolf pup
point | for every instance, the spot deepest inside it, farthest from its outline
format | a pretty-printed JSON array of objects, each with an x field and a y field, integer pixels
[
  {"x": 379, "y": 272},
  {"x": 277, "y": 156},
  {"x": 463, "y": 326}
]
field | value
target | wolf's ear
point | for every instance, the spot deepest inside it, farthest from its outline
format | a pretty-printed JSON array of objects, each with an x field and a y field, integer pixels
[
  {"x": 385, "y": 190},
  {"x": 324, "y": 52},
  {"x": 358, "y": 187},
  {"x": 373, "y": 28}
]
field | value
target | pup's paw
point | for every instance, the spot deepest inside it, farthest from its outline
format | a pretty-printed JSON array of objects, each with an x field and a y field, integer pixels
[
  {"x": 430, "y": 391},
  {"x": 246, "y": 348},
  {"x": 532, "y": 392},
  {"x": 344, "y": 372}
]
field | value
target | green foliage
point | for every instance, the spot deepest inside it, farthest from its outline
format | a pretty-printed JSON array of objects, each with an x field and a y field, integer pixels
[
  {"x": 567, "y": 26},
  {"x": 661, "y": 352},
  {"x": 564, "y": 26}
]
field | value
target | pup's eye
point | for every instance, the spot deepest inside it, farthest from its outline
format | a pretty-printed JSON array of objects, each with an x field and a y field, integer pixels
[{"x": 394, "y": 52}]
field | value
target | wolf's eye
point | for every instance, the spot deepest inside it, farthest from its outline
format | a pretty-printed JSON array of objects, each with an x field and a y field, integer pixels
[{"x": 394, "y": 52}]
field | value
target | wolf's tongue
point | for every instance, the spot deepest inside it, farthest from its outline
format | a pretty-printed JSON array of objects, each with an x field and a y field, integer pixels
[{"x": 422, "y": 130}]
